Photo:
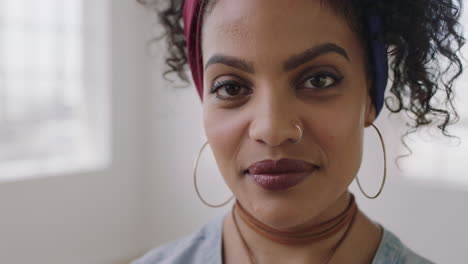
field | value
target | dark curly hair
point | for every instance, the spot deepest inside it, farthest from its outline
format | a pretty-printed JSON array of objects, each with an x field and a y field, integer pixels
[{"x": 424, "y": 41}]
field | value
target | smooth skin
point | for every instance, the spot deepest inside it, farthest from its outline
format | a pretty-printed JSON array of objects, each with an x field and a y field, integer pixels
[{"x": 271, "y": 64}]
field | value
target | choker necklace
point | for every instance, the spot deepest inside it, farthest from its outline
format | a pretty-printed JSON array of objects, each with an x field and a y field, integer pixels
[{"x": 299, "y": 236}]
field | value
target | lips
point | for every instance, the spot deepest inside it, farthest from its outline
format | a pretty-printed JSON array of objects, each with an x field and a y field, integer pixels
[{"x": 281, "y": 174}]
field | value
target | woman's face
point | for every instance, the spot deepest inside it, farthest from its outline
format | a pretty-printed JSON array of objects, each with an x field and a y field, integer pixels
[{"x": 270, "y": 65}]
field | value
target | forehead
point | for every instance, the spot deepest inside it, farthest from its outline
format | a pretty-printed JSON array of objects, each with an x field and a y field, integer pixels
[{"x": 253, "y": 28}]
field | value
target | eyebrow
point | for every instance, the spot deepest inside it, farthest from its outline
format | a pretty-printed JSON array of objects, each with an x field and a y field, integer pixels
[
  {"x": 230, "y": 61},
  {"x": 289, "y": 65},
  {"x": 312, "y": 53}
]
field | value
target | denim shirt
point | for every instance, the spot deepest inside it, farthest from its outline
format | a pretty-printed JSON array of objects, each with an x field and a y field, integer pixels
[{"x": 205, "y": 247}]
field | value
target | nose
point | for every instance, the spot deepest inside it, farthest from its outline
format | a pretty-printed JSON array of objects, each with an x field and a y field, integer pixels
[{"x": 275, "y": 122}]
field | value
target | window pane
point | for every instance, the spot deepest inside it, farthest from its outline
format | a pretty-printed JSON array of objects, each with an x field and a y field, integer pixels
[{"x": 43, "y": 108}]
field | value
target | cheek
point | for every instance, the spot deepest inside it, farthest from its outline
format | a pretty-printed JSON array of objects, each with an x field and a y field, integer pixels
[
  {"x": 342, "y": 140},
  {"x": 224, "y": 132}
]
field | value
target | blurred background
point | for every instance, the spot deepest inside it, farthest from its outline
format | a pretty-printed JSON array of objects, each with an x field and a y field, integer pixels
[{"x": 97, "y": 149}]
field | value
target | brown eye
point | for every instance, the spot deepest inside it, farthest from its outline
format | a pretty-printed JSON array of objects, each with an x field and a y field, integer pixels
[
  {"x": 229, "y": 89},
  {"x": 321, "y": 81}
]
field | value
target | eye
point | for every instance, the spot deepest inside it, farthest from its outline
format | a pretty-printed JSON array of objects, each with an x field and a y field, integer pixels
[
  {"x": 229, "y": 89},
  {"x": 321, "y": 81}
]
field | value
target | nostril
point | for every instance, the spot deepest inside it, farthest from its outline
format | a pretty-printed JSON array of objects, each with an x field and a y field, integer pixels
[{"x": 276, "y": 130}]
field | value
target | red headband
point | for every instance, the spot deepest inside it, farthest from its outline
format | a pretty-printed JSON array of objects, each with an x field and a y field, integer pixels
[{"x": 192, "y": 26}]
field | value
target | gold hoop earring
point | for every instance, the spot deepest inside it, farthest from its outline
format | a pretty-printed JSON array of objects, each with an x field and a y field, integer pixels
[
  {"x": 196, "y": 186},
  {"x": 385, "y": 168}
]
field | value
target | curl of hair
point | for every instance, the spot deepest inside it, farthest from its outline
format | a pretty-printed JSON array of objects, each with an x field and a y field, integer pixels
[
  {"x": 424, "y": 40},
  {"x": 170, "y": 16}
]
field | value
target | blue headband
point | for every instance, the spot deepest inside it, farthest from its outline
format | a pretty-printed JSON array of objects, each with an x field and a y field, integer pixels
[{"x": 379, "y": 57}]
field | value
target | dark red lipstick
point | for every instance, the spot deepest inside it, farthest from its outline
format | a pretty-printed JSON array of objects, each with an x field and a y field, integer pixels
[{"x": 281, "y": 174}]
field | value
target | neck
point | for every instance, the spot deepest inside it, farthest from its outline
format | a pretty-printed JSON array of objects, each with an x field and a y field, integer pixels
[
  {"x": 288, "y": 246},
  {"x": 301, "y": 235}
]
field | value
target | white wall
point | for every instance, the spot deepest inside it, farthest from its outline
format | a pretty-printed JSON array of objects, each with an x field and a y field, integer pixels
[{"x": 100, "y": 216}]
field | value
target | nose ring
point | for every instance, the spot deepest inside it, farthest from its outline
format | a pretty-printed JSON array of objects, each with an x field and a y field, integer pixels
[{"x": 300, "y": 134}]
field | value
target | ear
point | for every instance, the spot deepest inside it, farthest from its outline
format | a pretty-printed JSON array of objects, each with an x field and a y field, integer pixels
[{"x": 370, "y": 114}]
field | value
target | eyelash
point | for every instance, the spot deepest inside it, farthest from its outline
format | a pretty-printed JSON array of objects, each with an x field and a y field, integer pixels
[
  {"x": 336, "y": 80},
  {"x": 220, "y": 84}
]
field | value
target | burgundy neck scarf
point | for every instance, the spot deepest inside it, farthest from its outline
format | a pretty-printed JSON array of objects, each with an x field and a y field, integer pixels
[{"x": 192, "y": 14}]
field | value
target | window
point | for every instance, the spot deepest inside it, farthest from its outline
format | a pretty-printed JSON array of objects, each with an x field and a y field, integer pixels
[{"x": 53, "y": 87}]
